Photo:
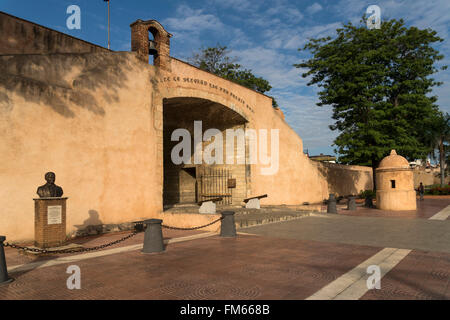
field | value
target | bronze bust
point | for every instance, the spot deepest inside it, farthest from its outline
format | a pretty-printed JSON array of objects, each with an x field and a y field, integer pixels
[{"x": 50, "y": 189}]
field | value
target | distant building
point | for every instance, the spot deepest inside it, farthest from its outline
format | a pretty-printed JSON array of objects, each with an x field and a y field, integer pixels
[
  {"x": 324, "y": 158},
  {"x": 424, "y": 164}
]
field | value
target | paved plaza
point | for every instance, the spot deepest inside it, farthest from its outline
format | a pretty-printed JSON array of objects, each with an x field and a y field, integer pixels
[{"x": 315, "y": 256}]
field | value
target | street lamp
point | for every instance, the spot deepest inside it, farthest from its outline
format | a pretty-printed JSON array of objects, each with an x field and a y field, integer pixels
[{"x": 109, "y": 42}]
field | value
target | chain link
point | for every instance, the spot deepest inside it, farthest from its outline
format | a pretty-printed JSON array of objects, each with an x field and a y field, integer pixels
[
  {"x": 37, "y": 250},
  {"x": 194, "y": 228}
]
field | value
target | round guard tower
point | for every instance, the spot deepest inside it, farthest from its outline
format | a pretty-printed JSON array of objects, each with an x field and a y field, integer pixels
[{"x": 395, "y": 184}]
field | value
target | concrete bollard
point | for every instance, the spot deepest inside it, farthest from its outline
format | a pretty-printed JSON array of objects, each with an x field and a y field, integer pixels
[
  {"x": 368, "y": 203},
  {"x": 331, "y": 208},
  {"x": 4, "y": 278},
  {"x": 351, "y": 205},
  {"x": 228, "y": 227},
  {"x": 153, "y": 239}
]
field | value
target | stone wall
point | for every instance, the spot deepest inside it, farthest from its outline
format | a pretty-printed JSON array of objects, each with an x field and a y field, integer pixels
[
  {"x": 427, "y": 177},
  {"x": 96, "y": 120},
  {"x": 18, "y": 36},
  {"x": 86, "y": 117},
  {"x": 344, "y": 180}
]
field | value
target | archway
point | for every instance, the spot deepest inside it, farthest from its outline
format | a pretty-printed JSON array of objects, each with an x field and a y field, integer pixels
[{"x": 191, "y": 181}]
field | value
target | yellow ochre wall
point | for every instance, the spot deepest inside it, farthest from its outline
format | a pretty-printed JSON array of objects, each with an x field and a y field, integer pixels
[
  {"x": 95, "y": 119},
  {"x": 87, "y": 118}
]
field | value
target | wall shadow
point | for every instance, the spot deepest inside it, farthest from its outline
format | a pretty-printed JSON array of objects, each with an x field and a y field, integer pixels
[
  {"x": 342, "y": 180},
  {"x": 45, "y": 79},
  {"x": 91, "y": 226}
]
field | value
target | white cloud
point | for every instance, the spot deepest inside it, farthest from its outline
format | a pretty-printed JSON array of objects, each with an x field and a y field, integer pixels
[
  {"x": 193, "y": 21},
  {"x": 293, "y": 38},
  {"x": 238, "y": 5},
  {"x": 308, "y": 120},
  {"x": 314, "y": 8},
  {"x": 190, "y": 27},
  {"x": 272, "y": 65}
]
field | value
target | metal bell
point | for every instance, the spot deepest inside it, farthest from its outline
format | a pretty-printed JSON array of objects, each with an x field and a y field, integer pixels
[{"x": 152, "y": 48}]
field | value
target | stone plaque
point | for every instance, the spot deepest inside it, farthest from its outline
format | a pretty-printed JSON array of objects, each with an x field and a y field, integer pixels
[
  {"x": 54, "y": 214},
  {"x": 231, "y": 183}
]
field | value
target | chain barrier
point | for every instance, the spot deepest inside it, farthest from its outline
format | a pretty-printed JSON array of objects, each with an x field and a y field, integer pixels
[
  {"x": 37, "y": 250},
  {"x": 138, "y": 228},
  {"x": 194, "y": 228}
]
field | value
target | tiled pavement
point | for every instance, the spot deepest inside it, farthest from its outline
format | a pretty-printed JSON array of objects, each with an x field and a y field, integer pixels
[
  {"x": 419, "y": 234},
  {"x": 249, "y": 267},
  {"x": 425, "y": 209},
  {"x": 421, "y": 275}
]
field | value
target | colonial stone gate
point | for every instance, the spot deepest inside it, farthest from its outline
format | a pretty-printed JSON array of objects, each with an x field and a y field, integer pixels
[{"x": 190, "y": 182}]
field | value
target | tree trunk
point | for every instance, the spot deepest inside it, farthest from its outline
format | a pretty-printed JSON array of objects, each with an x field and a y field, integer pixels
[
  {"x": 442, "y": 161},
  {"x": 374, "y": 179},
  {"x": 374, "y": 175}
]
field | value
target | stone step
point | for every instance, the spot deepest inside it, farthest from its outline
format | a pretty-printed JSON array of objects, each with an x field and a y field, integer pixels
[{"x": 248, "y": 220}]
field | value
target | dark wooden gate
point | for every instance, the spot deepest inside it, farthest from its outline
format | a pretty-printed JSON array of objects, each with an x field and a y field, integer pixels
[{"x": 213, "y": 183}]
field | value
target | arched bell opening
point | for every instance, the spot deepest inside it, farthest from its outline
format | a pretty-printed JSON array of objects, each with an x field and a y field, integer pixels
[
  {"x": 149, "y": 38},
  {"x": 152, "y": 44}
]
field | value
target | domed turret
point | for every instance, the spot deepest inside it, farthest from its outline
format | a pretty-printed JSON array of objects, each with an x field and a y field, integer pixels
[
  {"x": 393, "y": 161},
  {"x": 395, "y": 184}
]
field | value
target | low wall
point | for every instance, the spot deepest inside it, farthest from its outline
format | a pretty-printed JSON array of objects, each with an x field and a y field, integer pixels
[
  {"x": 343, "y": 180},
  {"x": 427, "y": 177}
]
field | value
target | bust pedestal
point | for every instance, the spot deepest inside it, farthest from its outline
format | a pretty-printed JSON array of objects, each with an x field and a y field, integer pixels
[{"x": 49, "y": 222}]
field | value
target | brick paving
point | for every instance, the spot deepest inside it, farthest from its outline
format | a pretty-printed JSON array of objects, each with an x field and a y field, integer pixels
[
  {"x": 415, "y": 234},
  {"x": 268, "y": 266},
  {"x": 420, "y": 276},
  {"x": 248, "y": 267}
]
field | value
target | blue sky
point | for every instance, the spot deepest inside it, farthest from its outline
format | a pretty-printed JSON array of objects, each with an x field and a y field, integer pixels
[{"x": 263, "y": 34}]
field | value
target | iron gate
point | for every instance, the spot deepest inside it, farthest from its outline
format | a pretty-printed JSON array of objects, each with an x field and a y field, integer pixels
[{"x": 213, "y": 183}]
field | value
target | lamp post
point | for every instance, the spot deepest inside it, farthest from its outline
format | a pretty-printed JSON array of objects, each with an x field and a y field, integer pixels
[{"x": 109, "y": 41}]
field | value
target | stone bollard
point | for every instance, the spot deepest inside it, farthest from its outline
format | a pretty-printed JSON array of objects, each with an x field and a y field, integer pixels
[
  {"x": 228, "y": 227},
  {"x": 153, "y": 239},
  {"x": 331, "y": 208},
  {"x": 351, "y": 205},
  {"x": 368, "y": 202},
  {"x": 4, "y": 278}
]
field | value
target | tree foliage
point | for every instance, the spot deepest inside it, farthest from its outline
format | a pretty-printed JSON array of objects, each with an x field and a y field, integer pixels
[
  {"x": 378, "y": 84},
  {"x": 437, "y": 136},
  {"x": 217, "y": 60}
]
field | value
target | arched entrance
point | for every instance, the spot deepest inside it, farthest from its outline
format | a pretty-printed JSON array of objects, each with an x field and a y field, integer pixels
[{"x": 192, "y": 181}]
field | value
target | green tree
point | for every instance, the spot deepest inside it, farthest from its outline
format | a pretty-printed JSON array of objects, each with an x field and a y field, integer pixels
[
  {"x": 377, "y": 82},
  {"x": 437, "y": 136},
  {"x": 217, "y": 60}
]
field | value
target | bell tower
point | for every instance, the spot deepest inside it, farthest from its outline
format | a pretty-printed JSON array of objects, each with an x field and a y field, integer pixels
[{"x": 159, "y": 47}]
